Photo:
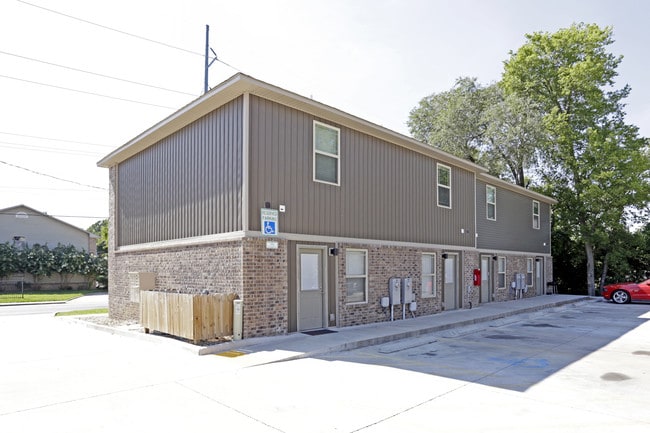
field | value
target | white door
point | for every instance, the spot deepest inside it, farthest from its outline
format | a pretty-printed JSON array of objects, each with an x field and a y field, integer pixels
[
  {"x": 539, "y": 276},
  {"x": 450, "y": 279},
  {"x": 311, "y": 288},
  {"x": 486, "y": 279}
]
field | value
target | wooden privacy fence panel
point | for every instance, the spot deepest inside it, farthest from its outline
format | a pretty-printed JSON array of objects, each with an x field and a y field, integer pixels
[{"x": 191, "y": 316}]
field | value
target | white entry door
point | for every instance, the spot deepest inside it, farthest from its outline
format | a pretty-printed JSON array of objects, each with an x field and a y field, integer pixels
[
  {"x": 486, "y": 279},
  {"x": 311, "y": 288},
  {"x": 539, "y": 276},
  {"x": 450, "y": 279}
]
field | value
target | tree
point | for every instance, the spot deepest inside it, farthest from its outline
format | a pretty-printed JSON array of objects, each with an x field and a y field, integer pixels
[
  {"x": 100, "y": 229},
  {"x": 452, "y": 120},
  {"x": 8, "y": 260},
  {"x": 483, "y": 125},
  {"x": 596, "y": 164}
]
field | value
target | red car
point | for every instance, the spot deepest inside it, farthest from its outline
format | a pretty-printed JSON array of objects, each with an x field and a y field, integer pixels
[{"x": 622, "y": 293}]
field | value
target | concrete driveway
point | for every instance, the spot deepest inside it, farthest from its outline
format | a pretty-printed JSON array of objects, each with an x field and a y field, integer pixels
[{"x": 59, "y": 376}]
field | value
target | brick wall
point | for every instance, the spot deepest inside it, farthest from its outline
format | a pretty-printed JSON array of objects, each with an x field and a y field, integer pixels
[
  {"x": 215, "y": 268},
  {"x": 385, "y": 262},
  {"x": 265, "y": 288}
]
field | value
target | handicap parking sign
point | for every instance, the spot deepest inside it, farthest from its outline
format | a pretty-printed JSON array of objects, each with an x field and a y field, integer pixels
[
  {"x": 269, "y": 222},
  {"x": 270, "y": 228}
]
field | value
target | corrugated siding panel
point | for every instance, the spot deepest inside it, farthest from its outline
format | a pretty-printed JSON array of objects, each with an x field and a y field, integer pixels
[
  {"x": 386, "y": 193},
  {"x": 188, "y": 184},
  {"x": 513, "y": 228}
]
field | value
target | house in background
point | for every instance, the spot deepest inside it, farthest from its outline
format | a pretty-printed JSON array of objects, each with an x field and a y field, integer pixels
[
  {"x": 23, "y": 226},
  {"x": 29, "y": 226},
  {"x": 309, "y": 214}
]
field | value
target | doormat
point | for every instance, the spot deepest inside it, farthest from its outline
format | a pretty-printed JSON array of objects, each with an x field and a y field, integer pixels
[{"x": 319, "y": 332}]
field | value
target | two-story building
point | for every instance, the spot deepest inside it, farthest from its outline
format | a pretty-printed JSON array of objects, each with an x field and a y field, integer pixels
[{"x": 307, "y": 212}]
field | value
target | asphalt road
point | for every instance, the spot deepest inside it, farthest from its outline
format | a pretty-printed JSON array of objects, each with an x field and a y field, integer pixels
[
  {"x": 88, "y": 302},
  {"x": 583, "y": 367}
]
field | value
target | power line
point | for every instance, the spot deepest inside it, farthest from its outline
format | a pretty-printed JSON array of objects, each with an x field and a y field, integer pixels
[
  {"x": 86, "y": 92},
  {"x": 153, "y": 41},
  {"x": 112, "y": 29},
  {"x": 55, "y": 139},
  {"x": 96, "y": 74},
  {"x": 21, "y": 146},
  {"x": 50, "y": 176},
  {"x": 40, "y": 188},
  {"x": 56, "y": 216}
]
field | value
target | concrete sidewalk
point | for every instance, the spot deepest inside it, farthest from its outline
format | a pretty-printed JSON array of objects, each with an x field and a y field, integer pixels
[
  {"x": 299, "y": 345},
  {"x": 263, "y": 350}
]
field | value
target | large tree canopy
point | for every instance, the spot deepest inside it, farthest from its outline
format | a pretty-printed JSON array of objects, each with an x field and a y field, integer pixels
[
  {"x": 594, "y": 163},
  {"x": 483, "y": 125}
]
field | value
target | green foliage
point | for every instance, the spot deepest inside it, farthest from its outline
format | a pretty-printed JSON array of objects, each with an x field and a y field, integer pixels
[
  {"x": 483, "y": 125},
  {"x": 40, "y": 261},
  {"x": 100, "y": 228},
  {"x": 597, "y": 166},
  {"x": 8, "y": 260}
]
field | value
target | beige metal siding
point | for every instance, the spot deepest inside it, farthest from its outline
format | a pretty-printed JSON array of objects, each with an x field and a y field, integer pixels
[
  {"x": 188, "y": 184},
  {"x": 513, "y": 229},
  {"x": 387, "y": 192}
]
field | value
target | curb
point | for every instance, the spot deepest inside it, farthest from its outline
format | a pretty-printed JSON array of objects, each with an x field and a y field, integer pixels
[
  {"x": 387, "y": 338},
  {"x": 342, "y": 347}
]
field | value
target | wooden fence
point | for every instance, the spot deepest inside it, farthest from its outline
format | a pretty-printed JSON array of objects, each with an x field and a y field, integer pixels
[{"x": 194, "y": 317}]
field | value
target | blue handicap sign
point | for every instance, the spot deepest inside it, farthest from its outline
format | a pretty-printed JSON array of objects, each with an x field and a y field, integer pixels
[{"x": 270, "y": 228}]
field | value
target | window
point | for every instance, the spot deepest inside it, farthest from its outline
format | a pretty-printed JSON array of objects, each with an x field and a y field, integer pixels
[
  {"x": 356, "y": 276},
  {"x": 491, "y": 202},
  {"x": 535, "y": 214},
  {"x": 444, "y": 186},
  {"x": 529, "y": 272},
  {"x": 501, "y": 282},
  {"x": 428, "y": 275},
  {"x": 326, "y": 153}
]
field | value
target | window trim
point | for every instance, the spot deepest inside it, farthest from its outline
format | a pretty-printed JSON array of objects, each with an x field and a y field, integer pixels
[
  {"x": 440, "y": 166},
  {"x": 536, "y": 216},
  {"x": 330, "y": 155},
  {"x": 504, "y": 272},
  {"x": 488, "y": 203},
  {"x": 434, "y": 289},
  {"x": 365, "y": 276}
]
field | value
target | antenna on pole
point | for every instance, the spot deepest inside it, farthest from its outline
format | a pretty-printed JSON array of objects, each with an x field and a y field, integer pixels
[{"x": 208, "y": 61}]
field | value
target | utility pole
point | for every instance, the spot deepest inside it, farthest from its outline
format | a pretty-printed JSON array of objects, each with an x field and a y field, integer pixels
[{"x": 208, "y": 62}]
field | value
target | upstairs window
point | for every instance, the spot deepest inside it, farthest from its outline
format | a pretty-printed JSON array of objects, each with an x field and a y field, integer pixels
[
  {"x": 491, "y": 202},
  {"x": 327, "y": 140},
  {"x": 444, "y": 186},
  {"x": 535, "y": 214}
]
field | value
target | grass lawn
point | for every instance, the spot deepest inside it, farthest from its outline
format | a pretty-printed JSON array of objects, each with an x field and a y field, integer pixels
[
  {"x": 81, "y": 312},
  {"x": 44, "y": 296}
]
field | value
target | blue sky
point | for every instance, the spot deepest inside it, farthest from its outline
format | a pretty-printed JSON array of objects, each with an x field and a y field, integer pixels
[{"x": 372, "y": 58}]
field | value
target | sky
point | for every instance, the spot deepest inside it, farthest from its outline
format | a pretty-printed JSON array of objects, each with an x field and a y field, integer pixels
[{"x": 80, "y": 78}]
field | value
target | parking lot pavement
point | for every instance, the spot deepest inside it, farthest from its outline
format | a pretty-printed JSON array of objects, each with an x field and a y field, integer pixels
[
  {"x": 58, "y": 376},
  {"x": 587, "y": 365}
]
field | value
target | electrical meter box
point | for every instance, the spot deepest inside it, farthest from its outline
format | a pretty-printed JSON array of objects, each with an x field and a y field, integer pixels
[
  {"x": 520, "y": 281},
  {"x": 394, "y": 291},
  {"x": 407, "y": 291}
]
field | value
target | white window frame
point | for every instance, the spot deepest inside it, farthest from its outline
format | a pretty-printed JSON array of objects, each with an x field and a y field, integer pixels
[
  {"x": 364, "y": 276},
  {"x": 488, "y": 203},
  {"x": 327, "y": 154},
  {"x": 530, "y": 269},
  {"x": 501, "y": 273},
  {"x": 433, "y": 293},
  {"x": 536, "y": 215},
  {"x": 439, "y": 185}
]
